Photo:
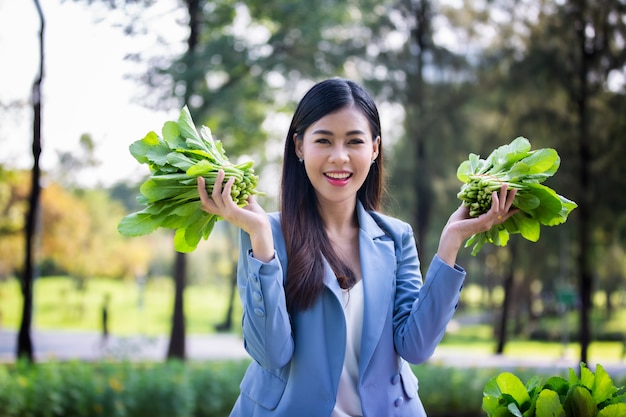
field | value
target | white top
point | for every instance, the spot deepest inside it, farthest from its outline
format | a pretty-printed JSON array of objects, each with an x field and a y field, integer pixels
[{"x": 348, "y": 401}]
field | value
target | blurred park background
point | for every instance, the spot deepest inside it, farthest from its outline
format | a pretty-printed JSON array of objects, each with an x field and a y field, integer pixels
[{"x": 451, "y": 77}]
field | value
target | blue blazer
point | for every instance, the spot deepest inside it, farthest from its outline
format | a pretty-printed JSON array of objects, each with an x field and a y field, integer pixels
[{"x": 298, "y": 359}]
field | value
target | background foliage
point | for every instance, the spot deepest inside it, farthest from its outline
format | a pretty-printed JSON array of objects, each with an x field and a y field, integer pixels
[
  {"x": 451, "y": 78},
  {"x": 197, "y": 389}
]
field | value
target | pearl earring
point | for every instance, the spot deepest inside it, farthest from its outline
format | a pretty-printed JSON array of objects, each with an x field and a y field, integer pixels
[{"x": 300, "y": 160}]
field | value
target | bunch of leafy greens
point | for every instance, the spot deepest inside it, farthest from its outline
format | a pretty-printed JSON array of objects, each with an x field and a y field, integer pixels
[
  {"x": 523, "y": 169},
  {"x": 591, "y": 395},
  {"x": 170, "y": 194}
]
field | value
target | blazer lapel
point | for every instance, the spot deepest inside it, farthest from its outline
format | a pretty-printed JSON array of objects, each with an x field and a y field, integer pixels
[{"x": 378, "y": 264}]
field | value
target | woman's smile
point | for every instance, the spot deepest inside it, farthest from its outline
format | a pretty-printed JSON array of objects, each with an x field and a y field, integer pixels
[{"x": 338, "y": 178}]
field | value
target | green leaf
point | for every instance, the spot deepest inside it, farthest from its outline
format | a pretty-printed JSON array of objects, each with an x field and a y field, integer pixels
[
  {"x": 550, "y": 208},
  {"x": 603, "y": 387},
  {"x": 171, "y": 135},
  {"x": 492, "y": 389},
  {"x": 580, "y": 403},
  {"x": 536, "y": 167},
  {"x": 526, "y": 201},
  {"x": 180, "y": 161},
  {"x": 534, "y": 385},
  {"x": 137, "y": 224},
  {"x": 490, "y": 404},
  {"x": 573, "y": 378},
  {"x": 186, "y": 126},
  {"x": 529, "y": 227},
  {"x": 558, "y": 384},
  {"x": 200, "y": 168},
  {"x": 156, "y": 191},
  {"x": 150, "y": 150},
  {"x": 587, "y": 377},
  {"x": 566, "y": 207},
  {"x": 180, "y": 242},
  {"x": 199, "y": 153},
  {"x": 613, "y": 410},
  {"x": 469, "y": 167},
  {"x": 506, "y": 155},
  {"x": 478, "y": 240},
  {"x": 548, "y": 404},
  {"x": 510, "y": 384},
  {"x": 514, "y": 410}
]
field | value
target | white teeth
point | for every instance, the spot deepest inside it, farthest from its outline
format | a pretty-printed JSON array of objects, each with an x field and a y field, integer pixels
[{"x": 337, "y": 175}]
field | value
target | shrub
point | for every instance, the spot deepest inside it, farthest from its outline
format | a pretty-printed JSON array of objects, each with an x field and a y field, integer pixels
[
  {"x": 119, "y": 389},
  {"x": 193, "y": 389}
]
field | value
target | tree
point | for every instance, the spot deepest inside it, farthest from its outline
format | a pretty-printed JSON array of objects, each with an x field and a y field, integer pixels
[
  {"x": 598, "y": 33},
  {"x": 535, "y": 83},
  {"x": 24, "y": 341},
  {"x": 577, "y": 77}
]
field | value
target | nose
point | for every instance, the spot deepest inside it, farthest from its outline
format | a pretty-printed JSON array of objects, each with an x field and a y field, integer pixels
[{"x": 339, "y": 154}]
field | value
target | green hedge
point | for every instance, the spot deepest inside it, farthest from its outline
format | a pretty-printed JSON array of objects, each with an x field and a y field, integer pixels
[
  {"x": 114, "y": 389},
  {"x": 192, "y": 389}
]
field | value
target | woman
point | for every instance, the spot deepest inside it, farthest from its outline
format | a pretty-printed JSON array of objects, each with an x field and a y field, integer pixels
[{"x": 334, "y": 305}]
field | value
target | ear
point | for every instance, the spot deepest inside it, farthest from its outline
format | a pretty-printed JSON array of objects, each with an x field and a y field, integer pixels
[
  {"x": 298, "y": 146},
  {"x": 375, "y": 148}
]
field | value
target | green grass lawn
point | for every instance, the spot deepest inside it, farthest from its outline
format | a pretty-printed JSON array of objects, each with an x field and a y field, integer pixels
[
  {"x": 478, "y": 339},
  {"x": 59, "y": 305}
]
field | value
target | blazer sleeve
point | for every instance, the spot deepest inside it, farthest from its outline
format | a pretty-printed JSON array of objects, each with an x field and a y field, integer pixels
[
  {"x": 265, "y": 324},
  {"x": 422, "y": 308}
]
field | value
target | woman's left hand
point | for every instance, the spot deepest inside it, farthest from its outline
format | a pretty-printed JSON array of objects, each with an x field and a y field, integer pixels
[{"x": 461, "y": 226}]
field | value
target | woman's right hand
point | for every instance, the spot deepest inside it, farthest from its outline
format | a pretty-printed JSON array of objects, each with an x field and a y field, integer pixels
[{"x": 251, "y": 218}]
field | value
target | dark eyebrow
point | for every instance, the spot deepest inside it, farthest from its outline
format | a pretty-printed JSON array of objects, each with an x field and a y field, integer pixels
[{"x": 329, "y": 133}]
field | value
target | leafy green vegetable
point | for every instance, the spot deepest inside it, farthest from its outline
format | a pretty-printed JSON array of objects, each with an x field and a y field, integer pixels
[
  {"x": 591, "y": 395},
  {"x": 170, "y": 193},
  {"x": 521, "y": 168}
]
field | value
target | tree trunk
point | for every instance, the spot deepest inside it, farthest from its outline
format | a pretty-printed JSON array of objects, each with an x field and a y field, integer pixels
[
  {"x": 584, "y": 158},
  {"x": 177, "y": 338},
  {"x": 24, "y": 340},
  {"x": 509, "y": 280},
  {"x": 227, "y": 324},
  {"x": 421, "y": 38},
  {"x": 176, "y": 349}
]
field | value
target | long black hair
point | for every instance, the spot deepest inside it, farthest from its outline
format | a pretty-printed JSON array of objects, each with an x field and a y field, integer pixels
[{"x": 301, "y": 222}]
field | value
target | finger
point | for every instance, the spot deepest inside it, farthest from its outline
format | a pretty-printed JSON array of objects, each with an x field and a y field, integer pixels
[
  {"x": 505, "y": 202},
  {"x": 510, "y": 198},
  {"x": 217, "y": 187},
  {"x": 498, "y": 200},
  {"x": 228, "y": 187},
  {"x": 503, "y": 196},
  {"x": 206, "y": 203},
  {"x": 204, "y": 196},
  {"x": 495, "y": 202}
]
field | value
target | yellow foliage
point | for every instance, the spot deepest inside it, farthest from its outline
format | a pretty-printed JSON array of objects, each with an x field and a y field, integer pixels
[
  {"x": 77, "y": 231},
  {"x": 65, "y": 228}
]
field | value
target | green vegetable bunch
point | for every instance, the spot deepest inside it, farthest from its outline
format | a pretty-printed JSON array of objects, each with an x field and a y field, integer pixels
[
  {"x": 591, "y": 395},
  {"x": 170, "y": 194},
  {"x": 521, "y": 168}
]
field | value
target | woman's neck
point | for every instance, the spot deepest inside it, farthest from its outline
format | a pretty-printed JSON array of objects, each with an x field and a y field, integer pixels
[{"x": 340, "y": 220}]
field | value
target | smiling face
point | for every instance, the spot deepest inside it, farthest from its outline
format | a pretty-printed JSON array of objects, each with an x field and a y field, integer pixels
[{"x": 338, "y": 151}]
